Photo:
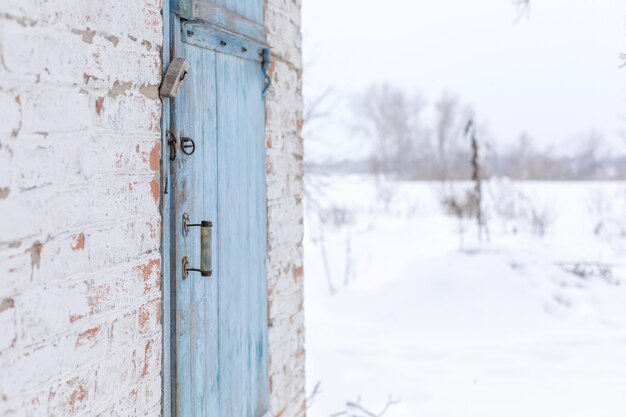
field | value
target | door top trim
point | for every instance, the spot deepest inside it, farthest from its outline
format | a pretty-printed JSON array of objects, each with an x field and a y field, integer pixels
[{"x": 202, "y": 10}]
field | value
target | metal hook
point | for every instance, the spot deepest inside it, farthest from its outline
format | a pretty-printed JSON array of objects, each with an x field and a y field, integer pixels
[{"x": 172, "y": 141}]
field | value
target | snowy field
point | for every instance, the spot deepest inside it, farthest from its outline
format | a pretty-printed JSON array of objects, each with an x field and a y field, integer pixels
[{"x": 531, "y": 322}]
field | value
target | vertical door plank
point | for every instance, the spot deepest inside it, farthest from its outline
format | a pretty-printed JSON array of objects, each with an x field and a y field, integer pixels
[
  {"x": 203, "y": 290},
  {"x": 209, "y": 346},
  {"x": 250, "y": 9},
  {"x": 195, "y": 194},
  {"x": 183, "y": 173},
  {"x": 241, "y": 208}
]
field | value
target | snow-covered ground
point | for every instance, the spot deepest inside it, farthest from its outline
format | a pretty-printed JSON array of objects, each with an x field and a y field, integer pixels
[{"x": 520, "y": 325}]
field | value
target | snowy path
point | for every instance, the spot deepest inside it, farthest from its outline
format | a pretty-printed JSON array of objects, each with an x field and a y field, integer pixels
[{"x": 497, "y": 329}]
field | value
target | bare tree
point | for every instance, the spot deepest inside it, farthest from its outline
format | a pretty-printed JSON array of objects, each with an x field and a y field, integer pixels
[
  {"x": 318, "y": 109},
  {"x": 448, "y": 132},
  {"x": 470, "y": 131},
  {"x": 392, "y": 120},
  {"x": 445, "y": 124},
  {"x": 587, "y": 162}
]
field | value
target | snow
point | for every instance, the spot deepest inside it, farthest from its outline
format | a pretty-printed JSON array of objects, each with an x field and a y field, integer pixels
[{"x": 494, "y": 328}]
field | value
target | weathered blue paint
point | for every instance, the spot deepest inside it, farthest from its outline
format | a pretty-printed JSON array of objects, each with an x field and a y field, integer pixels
[
  {"x": 220, "y": 357},
  {"x": 243, "y": 17},
  {"x": 242, "y": 238}
]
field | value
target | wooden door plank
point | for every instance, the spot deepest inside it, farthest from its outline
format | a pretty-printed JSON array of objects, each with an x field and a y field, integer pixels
[
  {"x": 195, "y": 184},
  {"x": 208, "y": 346},
  {"x": 241, "y": 210},
  {"x": 180, "y": 294},
  {"x": 250, "y": 9},
  {"x": 203, "y": 305}
]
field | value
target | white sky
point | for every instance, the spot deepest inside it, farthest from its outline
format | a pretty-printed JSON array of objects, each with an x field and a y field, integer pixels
[{"x": 553, "y": 75}]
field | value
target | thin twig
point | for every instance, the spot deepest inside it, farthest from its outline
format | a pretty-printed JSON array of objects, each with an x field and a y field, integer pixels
[
  {"x": 390, "y": 403},
  {"x": 313, "y": 395},
  {"x": 350, "y": 404},
  {"x": 329, "y": 277},
  {"x": 359, "y": 407},
  {"x": 523, "y": 8}
]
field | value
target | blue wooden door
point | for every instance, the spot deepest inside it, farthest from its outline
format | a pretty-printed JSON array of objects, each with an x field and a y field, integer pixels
[{"x": 220, "y": 325}]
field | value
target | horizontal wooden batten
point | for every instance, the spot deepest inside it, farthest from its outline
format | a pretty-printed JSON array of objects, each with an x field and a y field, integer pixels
[
  {"x": 206, "y": 11},
  {"x": 220, "y": 41}
]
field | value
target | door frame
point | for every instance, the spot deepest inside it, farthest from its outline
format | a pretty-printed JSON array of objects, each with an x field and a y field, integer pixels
[{"x": 167, "y": 360}]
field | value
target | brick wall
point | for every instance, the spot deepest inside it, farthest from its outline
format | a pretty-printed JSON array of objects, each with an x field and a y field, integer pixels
[
  {"x": 80, "y": 294},
  {"x": 285, "y": 168},
  {"x": 80, "y": 300}
]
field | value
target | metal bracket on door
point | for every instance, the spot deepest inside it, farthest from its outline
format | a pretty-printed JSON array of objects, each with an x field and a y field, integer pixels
[
  {"x": 267, "y": 61},
  {"x": 206, "y": 228}
]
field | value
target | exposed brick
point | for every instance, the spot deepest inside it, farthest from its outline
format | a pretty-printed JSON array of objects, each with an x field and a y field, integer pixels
[
  {"x": 122, "y": 330},
  {"x": 150, "y": 317},
  {"x": 69, "y": 397}
]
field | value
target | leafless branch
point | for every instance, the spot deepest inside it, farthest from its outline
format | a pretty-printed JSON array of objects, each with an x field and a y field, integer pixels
[
  {"x": 320, "y": 106},
  {"x": 523, "y": 8},
  {"x": 355, "y": 409},
  {"x": 316, "y": 391},
  {"x": 329, "y": 277},
  {"x": 622, "y": 57}
]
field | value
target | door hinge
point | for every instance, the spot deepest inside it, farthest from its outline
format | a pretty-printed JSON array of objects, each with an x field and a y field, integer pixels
[
  {"x": 267, "y": 60},
  {"x": 176, "y": 73}
]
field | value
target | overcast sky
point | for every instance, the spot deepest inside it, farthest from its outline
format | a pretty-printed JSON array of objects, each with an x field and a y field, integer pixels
[{"x": 553, "y": 75}]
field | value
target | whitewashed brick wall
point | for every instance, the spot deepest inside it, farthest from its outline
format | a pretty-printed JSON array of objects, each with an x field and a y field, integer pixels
[
  {"x": 285, "y": 168},
  {"x": 80, "y": 297},
  {"x": 80, "y": 300}
]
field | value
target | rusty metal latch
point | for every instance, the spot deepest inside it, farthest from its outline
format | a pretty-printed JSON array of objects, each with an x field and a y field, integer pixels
[
  {"x": 206, "y": 228},
  {"x": 172, "y": 141}
]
